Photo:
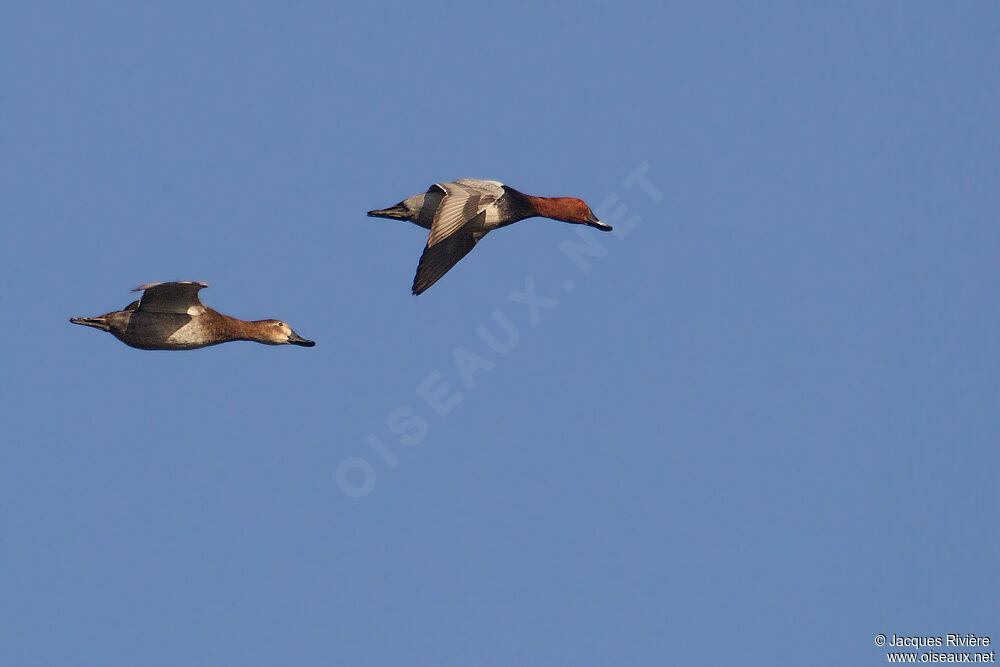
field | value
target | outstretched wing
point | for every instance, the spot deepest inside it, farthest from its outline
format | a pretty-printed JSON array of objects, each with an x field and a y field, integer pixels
[
  {"x": 438, "y": 258},
  {"x": 463, "y": 200},
  {"x": 177, "y": 297}
]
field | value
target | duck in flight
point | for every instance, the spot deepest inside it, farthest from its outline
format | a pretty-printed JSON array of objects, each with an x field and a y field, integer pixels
[
  {"x": 170, "y": 316},
  {"x": 459, "y": 213}
]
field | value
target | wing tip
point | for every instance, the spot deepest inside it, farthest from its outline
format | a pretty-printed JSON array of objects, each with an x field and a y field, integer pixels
[{"x": 147, "y": 286}]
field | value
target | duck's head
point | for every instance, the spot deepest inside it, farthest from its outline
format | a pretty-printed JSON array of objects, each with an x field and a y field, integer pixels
[
  {"x": 276, "y": 332},
  {"x": 571, "y": 209}
]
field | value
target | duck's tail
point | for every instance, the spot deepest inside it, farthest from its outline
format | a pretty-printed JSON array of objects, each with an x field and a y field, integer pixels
[
  {"x": 397, "y": 212},
  {"x": 96, "y": 322}
]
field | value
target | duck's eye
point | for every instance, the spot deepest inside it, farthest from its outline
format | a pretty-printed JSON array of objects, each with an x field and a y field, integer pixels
[{"x": 279, "y": 324}]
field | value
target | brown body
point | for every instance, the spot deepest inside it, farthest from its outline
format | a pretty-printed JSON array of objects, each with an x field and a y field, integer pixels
[{"x": 169, "y": 316}]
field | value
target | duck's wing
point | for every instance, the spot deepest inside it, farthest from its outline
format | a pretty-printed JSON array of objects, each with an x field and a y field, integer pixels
[
  {"x": 177, "y": 297},
  {"x": 462, "y": 201},
  {"x": 438, "y": 259}
]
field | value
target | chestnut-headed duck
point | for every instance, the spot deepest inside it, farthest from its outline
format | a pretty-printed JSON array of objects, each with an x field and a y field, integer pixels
[
  {"x": 170, "y": 316},
  {"x": 459, "y": 213}
]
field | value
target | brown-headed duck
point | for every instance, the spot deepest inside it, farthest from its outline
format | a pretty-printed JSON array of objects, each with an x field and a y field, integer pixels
[
  {"x": 170, "y": 316},
  {"x": 459, "y": 213}
]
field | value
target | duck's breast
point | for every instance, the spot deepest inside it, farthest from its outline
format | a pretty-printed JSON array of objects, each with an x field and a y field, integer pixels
[
  {"x": 496, "y": 216},
  {"x": 509, "y": 208}
]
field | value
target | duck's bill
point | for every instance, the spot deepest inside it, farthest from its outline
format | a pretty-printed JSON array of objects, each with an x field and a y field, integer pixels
[
  {"x": 594, "y": 222},
  {"x": 296, "y": 339}
]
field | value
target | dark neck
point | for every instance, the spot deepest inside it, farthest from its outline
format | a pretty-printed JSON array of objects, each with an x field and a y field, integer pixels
[{"x": 521, "y": 206}]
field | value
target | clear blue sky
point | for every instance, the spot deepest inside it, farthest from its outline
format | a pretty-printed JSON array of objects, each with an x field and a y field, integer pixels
[{"x": 759, "y": 430}]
